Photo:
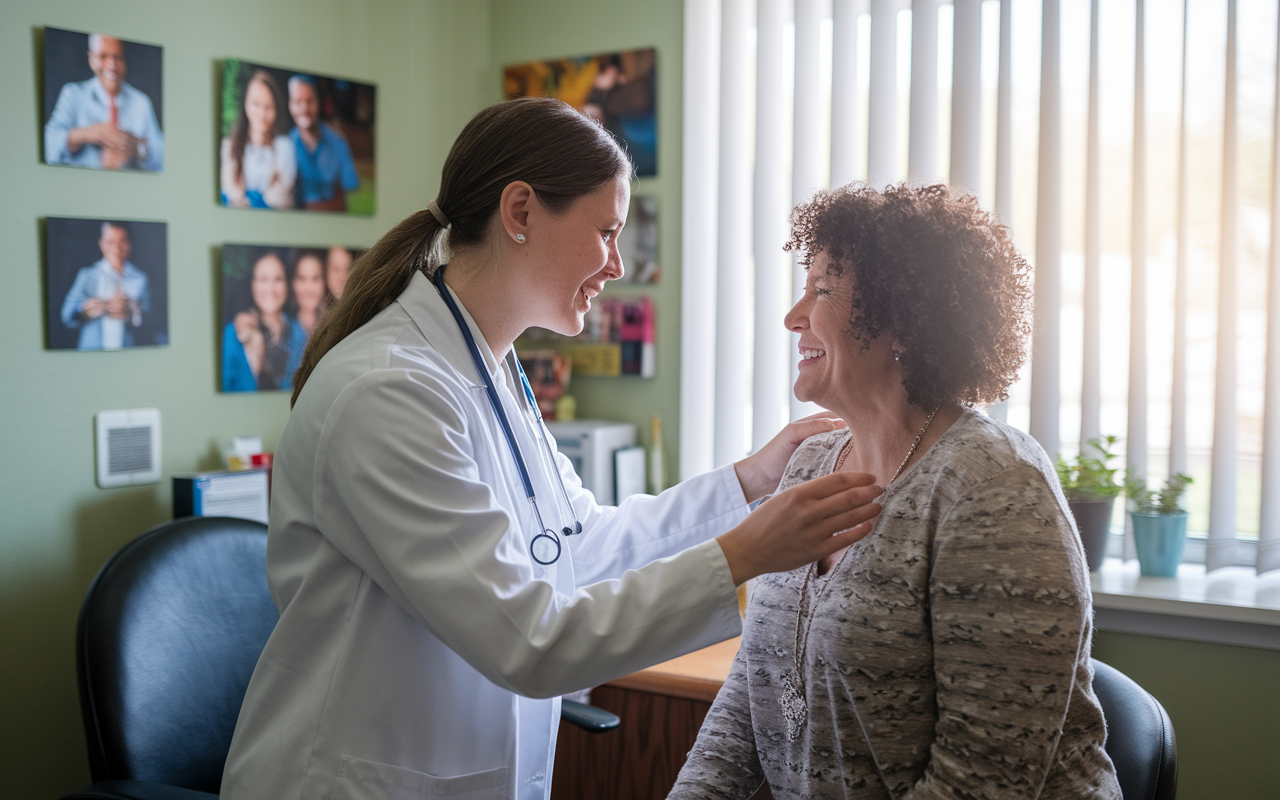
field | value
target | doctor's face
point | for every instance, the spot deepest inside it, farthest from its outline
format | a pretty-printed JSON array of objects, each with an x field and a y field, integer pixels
[{"x": 581, "y": 254}]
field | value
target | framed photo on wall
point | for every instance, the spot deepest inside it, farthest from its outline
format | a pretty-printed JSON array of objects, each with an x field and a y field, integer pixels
[
  {"x": 619, "y": 89},
  {"x": 273, "y": 296},
  {"x": 295, "y": 140},
  {"x": 106, "y": 286},
  {"x": 102, "y": 102},
  {"x": 638, "y": 241}
]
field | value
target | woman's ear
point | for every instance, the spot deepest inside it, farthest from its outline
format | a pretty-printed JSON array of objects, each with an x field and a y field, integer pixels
[{"x": 517, "y": 201}]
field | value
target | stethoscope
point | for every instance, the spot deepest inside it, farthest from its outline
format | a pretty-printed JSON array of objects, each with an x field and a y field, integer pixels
[{"x": 545, "y": 547}]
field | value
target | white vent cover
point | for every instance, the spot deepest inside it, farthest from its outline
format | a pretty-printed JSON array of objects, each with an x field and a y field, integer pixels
[{"x": 128, "y": 447}]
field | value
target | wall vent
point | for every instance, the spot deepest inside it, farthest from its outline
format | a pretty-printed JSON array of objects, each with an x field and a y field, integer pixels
[{"x": 128, "y": 447}]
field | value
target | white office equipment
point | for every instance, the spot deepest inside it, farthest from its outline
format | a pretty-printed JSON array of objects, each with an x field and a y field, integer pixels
[
  {"x": 222, "y": 494},
  {"x": 128, "y": 450},
  {"x": 590, "y": 444}
]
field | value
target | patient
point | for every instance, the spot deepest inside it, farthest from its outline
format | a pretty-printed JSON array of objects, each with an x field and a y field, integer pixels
[{"x": 945, "y": 655}]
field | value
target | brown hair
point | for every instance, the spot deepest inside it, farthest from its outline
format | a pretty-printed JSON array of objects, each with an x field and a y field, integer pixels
[
  {"x": 934, "y": 272},
  {"x": 561, "y": 153},
  {"x": 240, "y": 131}
]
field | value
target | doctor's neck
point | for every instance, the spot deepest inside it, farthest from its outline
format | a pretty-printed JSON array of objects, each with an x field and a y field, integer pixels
[{"x": 498, "y": 303}]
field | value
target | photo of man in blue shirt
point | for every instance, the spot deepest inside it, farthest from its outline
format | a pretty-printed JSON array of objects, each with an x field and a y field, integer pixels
[
  {"x": 326, "y": 171},
  {"x": 103, "y": 122}
]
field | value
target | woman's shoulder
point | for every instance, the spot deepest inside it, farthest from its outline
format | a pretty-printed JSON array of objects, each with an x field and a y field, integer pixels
[
  {"x": 981, "y": 447},
  {"x": 814, "y": 457}
]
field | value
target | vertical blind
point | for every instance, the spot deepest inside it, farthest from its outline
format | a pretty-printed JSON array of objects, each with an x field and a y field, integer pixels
[{"x": 1114, "y": 140}]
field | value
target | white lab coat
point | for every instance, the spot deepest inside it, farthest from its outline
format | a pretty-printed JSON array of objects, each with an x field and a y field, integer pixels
[{"x": 415, "y": 629}]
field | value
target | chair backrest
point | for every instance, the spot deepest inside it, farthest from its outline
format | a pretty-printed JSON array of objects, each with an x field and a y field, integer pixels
[
  {"x": 168, "y": 636},
  {"x": 1139, "y": 736}
]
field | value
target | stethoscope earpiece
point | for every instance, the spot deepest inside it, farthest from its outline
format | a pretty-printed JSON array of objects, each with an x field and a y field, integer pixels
[{"x": 545, "y": 547}]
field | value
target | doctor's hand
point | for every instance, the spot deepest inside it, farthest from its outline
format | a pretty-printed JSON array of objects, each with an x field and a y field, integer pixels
[
  {"x": 760, "y": 472},
  {"x": 801, "y": 525}
]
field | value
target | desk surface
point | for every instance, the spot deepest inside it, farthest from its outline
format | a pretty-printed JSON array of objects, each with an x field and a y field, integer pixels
[{"x": 696, "y": 676}]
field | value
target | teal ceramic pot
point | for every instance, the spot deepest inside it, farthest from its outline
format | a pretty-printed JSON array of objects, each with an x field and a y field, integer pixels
[
  {"x": 1093, "y": 521},
  {"x": 1159, "y": 539}
]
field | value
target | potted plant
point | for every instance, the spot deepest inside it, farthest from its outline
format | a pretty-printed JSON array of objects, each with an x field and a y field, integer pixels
[
  {"x": 1091, "y": 489},
  {"x": 1159, "y": 523}
]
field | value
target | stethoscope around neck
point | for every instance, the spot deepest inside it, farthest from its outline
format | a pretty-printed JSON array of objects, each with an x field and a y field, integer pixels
[{"x": 545, "y": 547}]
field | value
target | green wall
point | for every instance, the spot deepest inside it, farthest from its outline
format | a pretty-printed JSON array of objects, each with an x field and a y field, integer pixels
[
  {"x": 430, "y": 60},
  {"x": 525, "y": 31},
  {"x": 1225, "y": 705}
]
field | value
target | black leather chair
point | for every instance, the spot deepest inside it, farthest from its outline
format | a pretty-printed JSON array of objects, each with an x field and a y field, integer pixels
[
  {"x": 1139, "y": 736},
  {"x": 168, "y": 636}
]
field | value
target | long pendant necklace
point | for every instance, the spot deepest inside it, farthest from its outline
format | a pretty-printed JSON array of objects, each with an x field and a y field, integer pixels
[{"x": 794, "y": 707}]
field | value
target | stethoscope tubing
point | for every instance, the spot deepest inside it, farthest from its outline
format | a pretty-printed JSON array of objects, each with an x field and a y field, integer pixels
[{"x": 491, "y": 390}]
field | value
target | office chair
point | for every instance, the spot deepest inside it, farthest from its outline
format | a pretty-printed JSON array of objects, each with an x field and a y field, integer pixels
[
  {"x": 168, "y": 636},
  {"x": 1139, "y": 736}
]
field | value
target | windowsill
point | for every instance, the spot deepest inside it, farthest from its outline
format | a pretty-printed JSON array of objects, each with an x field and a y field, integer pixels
[{"x": 1232, "y": 605}]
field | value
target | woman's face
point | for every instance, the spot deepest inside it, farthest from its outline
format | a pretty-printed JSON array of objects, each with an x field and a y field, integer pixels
[
  {"x": 336, "y": 272},
  {"x": 260, "y": 108},
  {"x": 268, "y": 285},
  {"x": 578, "y": 254},
  {"x": 833, "y": 364},
  {"x": 308, "y": 283}
]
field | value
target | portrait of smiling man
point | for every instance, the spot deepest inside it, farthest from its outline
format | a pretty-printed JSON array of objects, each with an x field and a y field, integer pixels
[{"x": 103, "y": 121}]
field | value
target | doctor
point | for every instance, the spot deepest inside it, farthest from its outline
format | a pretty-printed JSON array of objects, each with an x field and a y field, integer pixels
[{"x": 442, "y": 575}]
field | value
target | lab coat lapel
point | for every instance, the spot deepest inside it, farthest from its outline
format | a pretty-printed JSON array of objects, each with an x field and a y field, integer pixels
[{"x": 428, "y": 311}]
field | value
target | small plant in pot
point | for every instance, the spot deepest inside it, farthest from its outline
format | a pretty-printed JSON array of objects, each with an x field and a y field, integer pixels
[
  {"x": 1091, "y": 488},
  {"x": 1159, "y": 523}
]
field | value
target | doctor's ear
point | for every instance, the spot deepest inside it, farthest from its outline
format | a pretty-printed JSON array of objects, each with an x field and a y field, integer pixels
[{"x": 518, "y": 199}]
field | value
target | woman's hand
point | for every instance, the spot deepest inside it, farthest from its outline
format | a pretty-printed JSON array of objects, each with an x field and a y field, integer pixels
[
  {"x": 801, "y": 525},
  {"x": 250, "y": 335},
  {"x": 760, "y": 472}
]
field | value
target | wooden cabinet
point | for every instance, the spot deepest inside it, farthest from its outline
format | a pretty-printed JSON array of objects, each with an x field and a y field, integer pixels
[{"x": 662, "y": 709}]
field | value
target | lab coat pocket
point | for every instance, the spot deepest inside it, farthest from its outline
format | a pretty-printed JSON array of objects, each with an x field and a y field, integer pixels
[{"x": 358, "y": 779}]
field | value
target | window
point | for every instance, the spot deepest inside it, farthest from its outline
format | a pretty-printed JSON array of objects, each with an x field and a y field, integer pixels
[{"x": 1135, "y": 165}]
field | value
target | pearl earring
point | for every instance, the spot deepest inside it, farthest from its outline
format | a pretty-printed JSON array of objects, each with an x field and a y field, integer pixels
[{"x": 520, "y": 237}]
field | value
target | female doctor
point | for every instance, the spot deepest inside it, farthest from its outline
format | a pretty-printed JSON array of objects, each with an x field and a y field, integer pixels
[{"x": 439, "y": 569}]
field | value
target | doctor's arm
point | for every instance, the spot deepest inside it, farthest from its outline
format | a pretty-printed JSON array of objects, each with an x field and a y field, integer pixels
[{"x": 399, "y": 480}]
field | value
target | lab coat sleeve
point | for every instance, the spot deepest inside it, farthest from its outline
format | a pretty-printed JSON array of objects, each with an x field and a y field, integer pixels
[
  {"x": 647, "y": 527},
  {"x": 400, "y": 494}
]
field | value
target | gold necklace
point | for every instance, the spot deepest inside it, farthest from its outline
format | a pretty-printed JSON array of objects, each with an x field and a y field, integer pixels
[{"x": 795, "y": 709}]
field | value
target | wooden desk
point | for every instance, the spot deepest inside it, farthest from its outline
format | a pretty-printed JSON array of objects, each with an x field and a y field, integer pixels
[{"x": 662, "y": 709}]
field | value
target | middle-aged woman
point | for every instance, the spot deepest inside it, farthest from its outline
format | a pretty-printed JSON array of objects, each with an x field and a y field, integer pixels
[
  {"x": 946, "y": 655},
  {"x": 258, "y": 163},
  {"x": 262, "y": 346},
  {"x": 436, "y": 594},
  {"x": 310, "y": 297}
]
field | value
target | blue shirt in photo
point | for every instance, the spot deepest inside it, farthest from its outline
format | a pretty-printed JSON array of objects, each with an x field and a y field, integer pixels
[
  {"x": 85, "y": 103},
  {"x": 320, "y": 169}
]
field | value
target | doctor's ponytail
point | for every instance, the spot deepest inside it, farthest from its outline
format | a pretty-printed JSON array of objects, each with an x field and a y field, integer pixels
[{"x": 544, "y": 142}]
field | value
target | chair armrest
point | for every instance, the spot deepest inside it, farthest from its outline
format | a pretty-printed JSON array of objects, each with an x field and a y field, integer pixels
[
  {"x": 589, "y": 718},
  {"x": 136, "y": 790}
]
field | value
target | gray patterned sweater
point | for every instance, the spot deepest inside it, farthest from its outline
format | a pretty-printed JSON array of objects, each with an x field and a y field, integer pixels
[{"x": 956, "y": 635}]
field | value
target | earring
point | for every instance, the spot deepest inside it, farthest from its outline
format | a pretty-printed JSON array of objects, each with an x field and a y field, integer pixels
[{"x": 520, "y": 238}]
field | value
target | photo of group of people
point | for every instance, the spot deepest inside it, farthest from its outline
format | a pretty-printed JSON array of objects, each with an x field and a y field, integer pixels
[
  {"x": 107, "y": 284},
  {"x": 272, "y": 300},
  {"x": 619, "y": 89},
  {"x": 101, "y": 102},
  {"x": 294, "y": 140}
]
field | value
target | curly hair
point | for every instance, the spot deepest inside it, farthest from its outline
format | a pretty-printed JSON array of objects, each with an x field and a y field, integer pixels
[{"x": 935, "y": 273}]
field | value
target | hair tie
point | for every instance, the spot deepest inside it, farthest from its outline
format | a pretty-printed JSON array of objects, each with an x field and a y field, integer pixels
[{"x": 434, "y": 208}]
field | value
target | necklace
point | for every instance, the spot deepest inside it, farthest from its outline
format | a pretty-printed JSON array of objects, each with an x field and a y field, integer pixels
[{"x": 794, "y": 707}]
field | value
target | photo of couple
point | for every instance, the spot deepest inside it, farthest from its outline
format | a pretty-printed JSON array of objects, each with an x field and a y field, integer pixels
[
  {"x": 293, "y": 140},
  {"x": 272, "y": 300}
]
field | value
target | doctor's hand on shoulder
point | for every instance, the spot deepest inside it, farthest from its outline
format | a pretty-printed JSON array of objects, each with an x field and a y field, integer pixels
[{"x": 801, "y": 525}]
